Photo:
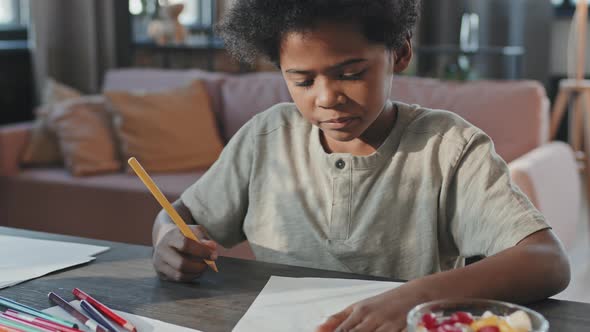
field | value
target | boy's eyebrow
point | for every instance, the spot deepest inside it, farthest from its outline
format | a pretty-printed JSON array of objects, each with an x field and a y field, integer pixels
[{"x": 336, "y": 66}]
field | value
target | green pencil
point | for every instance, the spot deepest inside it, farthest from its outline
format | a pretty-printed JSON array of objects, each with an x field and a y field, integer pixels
[{"x": 34, "y": 312}]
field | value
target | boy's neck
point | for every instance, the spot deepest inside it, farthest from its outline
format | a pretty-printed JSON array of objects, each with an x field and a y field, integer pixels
[{"x": 370, "y": 140}]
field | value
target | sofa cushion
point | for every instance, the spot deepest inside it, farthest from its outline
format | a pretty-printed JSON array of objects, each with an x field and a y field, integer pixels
[
  {"x": 513, "y": 113},
  {"x": 43, "y": 146},
  {"x": 167, "y": 131},
  {"x": 246, "y": 95},
  {"x": 154, "y": 80},
  {"x": 86, "y": 137}
]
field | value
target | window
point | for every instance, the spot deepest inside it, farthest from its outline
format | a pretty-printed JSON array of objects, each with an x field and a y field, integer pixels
[
  {"x": 14, "y": 14},
  {"x": 565, "y": 7},
  {"x": 196, "y": 13}
]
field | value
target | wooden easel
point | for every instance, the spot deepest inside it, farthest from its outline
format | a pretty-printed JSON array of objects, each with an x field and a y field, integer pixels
[{"x": 576, "y": 89}]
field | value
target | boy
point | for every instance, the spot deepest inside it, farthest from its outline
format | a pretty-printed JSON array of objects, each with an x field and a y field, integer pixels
[{"x": 345, "y": 179}]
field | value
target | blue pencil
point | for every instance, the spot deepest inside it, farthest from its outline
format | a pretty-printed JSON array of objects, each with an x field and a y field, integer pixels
[
  {"x": 94, "y": 326},
  {"x": 97, "y": 316}
]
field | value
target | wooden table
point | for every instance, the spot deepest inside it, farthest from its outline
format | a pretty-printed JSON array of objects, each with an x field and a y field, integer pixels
[{"x": 124, "y": 279}]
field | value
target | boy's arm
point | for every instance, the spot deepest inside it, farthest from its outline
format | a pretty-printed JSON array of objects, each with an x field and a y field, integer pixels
[
  {"x": 534, "y": 269},
  {"x": 537, "y": 267}
]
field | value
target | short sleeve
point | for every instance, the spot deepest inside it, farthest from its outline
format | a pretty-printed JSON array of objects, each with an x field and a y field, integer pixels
[
  {"x": 219, "y": 199},
  {"x": 487, "y": 213}
]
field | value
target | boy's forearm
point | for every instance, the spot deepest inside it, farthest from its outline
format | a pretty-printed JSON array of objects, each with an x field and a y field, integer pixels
[
  {"x": 163, "y": 223},
  {"x": 535, "y": 269}
]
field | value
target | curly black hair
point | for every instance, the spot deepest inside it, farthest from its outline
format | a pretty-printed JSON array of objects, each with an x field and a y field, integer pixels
[{"x": 255, "y": 28}]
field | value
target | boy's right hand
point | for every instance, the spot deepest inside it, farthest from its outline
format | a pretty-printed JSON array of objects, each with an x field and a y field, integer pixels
[{"x": 178, "y": 258}]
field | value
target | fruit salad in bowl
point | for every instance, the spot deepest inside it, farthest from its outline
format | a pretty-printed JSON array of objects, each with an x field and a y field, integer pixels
[{"x": 474, "y": 315}]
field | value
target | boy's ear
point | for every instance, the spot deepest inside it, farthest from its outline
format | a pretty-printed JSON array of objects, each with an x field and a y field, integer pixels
[{"x": 402, "y": 56}]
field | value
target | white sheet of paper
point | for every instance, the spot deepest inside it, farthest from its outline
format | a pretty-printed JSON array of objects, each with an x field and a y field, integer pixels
[
  {"x": 143, "y": 324},
  {"x": 23, "y": 258},
  {"x": 301, "y": 304}
]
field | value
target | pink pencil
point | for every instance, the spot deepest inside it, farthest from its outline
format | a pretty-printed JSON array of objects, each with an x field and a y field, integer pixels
[
  {"x": 24, "y": 323},
  {"x": 39, "y": 321}
]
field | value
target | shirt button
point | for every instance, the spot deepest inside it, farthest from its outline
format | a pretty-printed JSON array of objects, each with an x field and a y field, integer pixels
[{"x": 340, "y": 164}]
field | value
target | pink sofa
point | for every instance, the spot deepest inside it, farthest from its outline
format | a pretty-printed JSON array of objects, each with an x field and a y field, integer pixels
[{"x": 117, "y": 206}]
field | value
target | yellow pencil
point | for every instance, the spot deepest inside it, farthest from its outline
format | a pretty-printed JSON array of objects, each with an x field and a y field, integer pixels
[{"x": 159, "y": 196}]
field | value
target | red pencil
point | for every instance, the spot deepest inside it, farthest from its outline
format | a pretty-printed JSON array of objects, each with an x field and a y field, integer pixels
[
  {"x": 94, "y": 326},
  {"x": 104, "y": 310},
  {"x": 39, "y": 321}
]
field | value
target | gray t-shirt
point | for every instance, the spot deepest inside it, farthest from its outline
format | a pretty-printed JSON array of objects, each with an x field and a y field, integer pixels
[{"x": 435, "y": 191}]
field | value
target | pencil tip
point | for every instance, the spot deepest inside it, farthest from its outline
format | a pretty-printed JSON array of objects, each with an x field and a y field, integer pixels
[{"x": 128, "y": 326}]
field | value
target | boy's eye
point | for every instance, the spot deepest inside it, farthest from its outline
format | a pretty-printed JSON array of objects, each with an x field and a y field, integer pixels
[
  {"x": 352, "y": 76},
  {"x": 306, "y": 83}
]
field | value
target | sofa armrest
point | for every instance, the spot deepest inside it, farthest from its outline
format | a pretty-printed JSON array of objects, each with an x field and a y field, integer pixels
[
  {"x": 13, "y": 139},
  {"x": 549, "y": 176}
]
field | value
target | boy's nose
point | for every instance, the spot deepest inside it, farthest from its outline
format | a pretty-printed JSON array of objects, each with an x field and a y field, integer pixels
[{"x": 329, "y": 96}]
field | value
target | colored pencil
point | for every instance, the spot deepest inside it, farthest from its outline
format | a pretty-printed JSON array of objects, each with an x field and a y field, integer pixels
[
  {"x": 159, "y": 196},
  {"x": 94, "y": 326},
  {"x": 103, "y": 309},
  {"x": 15, "y": 325},
  {"x": 34, "y": 312},
  {"x": 27, "y": 324},
  {"x": 4, "y": 328},
  {"x": 40, "y": 321},
  {"x": 92, "y": 312}
]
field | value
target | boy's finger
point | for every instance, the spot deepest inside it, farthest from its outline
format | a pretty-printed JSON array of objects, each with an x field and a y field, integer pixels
[
  {"x": 367, "y": 325},
  {"x": 334, "y": 321},
  {"x": 350, "y": 320},
  {"x": 169, "y": 273},
  {"x": 388, "y": 328},
  {"x": 203, "y": 236},
  {"x": 189, "y": 247},
  {"x": 182, "y": 263}
]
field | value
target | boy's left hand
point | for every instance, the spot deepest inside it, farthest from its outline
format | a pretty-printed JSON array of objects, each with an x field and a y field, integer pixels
[{"x": 384, "y": 312}]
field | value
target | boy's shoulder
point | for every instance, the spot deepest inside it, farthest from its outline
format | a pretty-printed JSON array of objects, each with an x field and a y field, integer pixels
[
  {"x": 443, "y": 123},
  {"x": 283, "y": 115}
]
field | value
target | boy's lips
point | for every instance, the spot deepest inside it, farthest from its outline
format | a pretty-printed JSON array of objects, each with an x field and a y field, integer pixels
[
  {"x": 341, "y": 119},
  {"x": 339, "y": 123}
]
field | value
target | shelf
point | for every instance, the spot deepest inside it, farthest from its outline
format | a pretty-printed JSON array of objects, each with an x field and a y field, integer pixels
[
  {"x": 209, "y": 44},
  {"x": 482, "y": 50},
  {"x": 8, "y": 46}
]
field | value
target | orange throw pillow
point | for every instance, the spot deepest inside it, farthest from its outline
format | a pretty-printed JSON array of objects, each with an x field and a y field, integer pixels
[
  {"x": 167, "y": 131},
  {"x": 43, "y": 147},
  {"x": 86, "y": 137}
]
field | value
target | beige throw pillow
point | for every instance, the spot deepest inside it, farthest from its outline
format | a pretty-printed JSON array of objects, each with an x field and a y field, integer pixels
[
  {"x": 167, "y": 131},
  {"x": 86, "y": 137},
  {"x": 43, "y": 147}
]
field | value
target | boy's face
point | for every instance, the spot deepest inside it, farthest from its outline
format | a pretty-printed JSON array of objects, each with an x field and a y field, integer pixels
[{"x": 339, "y": 81}]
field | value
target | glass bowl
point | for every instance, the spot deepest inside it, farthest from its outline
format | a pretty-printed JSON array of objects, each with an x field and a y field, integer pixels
[{"x": 476, "y": 307}]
